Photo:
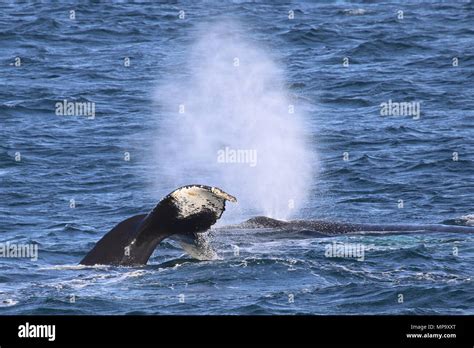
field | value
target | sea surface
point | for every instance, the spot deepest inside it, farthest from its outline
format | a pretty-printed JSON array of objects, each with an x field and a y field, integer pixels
[{"x": 66, "y": 180}]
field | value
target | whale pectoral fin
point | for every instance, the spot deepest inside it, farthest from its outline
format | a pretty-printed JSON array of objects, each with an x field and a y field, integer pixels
[{"x": 111, "y": 248}]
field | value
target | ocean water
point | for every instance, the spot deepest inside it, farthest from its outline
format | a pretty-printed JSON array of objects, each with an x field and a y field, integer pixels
[{"x": 67, "y": 180}]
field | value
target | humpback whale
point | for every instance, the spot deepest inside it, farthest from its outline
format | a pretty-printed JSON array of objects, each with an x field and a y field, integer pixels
[
  {"x": 323, "y": 228},
  {"x": 185, "y": 212},
  {"x": 189, "y": 211}
]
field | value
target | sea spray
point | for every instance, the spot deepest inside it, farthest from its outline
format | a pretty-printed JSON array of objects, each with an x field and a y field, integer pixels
[{"x": 228, "y": 122}]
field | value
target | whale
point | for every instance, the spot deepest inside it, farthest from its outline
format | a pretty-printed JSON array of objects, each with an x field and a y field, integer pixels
[
  {"x": 323, "y": 228},
  {"x": 186, "y": 215}
]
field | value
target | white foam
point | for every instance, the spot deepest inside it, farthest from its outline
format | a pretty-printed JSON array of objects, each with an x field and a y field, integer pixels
[
  {"x": 72, "y": 267},
  {"x": 8, "y": 302},
  {"x": 468, "y": 219}
]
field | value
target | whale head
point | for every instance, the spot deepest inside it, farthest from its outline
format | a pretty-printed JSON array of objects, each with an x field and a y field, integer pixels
[
  {"x": 224, "y": 195},
  {"x": 193, "y": 200}
]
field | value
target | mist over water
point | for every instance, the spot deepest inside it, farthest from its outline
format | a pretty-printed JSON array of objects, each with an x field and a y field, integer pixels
[
  {"x": 390, "y": 157},
  {"x": 229, "y": 122}
]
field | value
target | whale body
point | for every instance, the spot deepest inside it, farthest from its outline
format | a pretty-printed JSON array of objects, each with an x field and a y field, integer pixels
[
  {"x": 325, "y": 228},
  {"x": 189, "y": 211},
  {"x": 185, "y": 212}
]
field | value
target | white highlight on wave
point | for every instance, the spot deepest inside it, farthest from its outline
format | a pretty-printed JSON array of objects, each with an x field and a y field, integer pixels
[
  {"x": 468, "y": 219},
  {"x": 232, "y": 95}
]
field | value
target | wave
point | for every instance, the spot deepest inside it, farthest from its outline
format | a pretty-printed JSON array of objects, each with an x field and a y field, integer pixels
[
  {"x": 310, "y": 34},
  {"x": 384, "y": 47}
]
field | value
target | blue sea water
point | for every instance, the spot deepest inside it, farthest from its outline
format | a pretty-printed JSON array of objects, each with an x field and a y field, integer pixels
[{"x": 390, "y": 158}]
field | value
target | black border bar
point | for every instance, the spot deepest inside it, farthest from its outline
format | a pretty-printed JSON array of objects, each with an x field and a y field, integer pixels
[{"x": 225, "y": 330}]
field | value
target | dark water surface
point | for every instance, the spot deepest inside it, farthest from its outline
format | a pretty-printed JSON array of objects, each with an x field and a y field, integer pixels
[{"x": 391, "y": 158}]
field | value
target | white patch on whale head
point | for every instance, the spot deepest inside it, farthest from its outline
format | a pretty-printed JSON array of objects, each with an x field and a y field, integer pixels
[{"x": 191, "y": 200}]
